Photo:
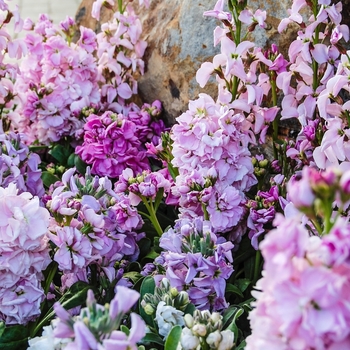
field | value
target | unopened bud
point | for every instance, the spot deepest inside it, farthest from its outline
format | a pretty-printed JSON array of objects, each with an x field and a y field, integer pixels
[
  {"x": 188, "y": 320},
  {"x": 149, "y": 310},
  {"x": 214, "y": 339},
  {"x": 199, "y": 330},
  {"x": 174, "y": 292}
]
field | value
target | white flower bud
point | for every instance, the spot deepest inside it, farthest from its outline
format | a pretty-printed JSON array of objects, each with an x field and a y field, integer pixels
[
  {"x": 213, "y": 339},
  {"x": 227, "y": 340},
  {"x": 188, "y": 340},
  {"x": 215, "y": 317},
  {"x": 188, "y": 320},
  {"x": 199, "y": 329}
]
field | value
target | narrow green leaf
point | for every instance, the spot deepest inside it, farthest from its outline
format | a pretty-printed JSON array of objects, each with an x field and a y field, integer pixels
[
  {"x": 152, "y": 338},
  {"x": 228, "y": 314},
  {"x": 241, "y": 346},
  {"x": 147, "y": 286},
  {"x": 158, "y": 199},
  {"x": 48, "y": 178},
  {"x": 14, "y": 338},
  {"x": 49, "y": 274},
  {"x": 173, "y": 338},
  {"x": 242, "y": 283},
  {"x": 75, "y": 296},
  {"x": 2, "y": 328},
  {"x": 230, "y": 288},
  {"x": 232, "y": 326}
]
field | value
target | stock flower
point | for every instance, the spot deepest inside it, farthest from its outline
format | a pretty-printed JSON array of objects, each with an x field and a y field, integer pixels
[
  {"x": 73, "y": 248},
  {"x": 110, "y": 145},
  {"x": 167, "y": 317}
]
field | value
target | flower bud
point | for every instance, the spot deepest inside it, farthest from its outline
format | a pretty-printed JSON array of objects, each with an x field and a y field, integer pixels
[
  {"x": 227, "y": 340},
  {"x": 149, "y": 310},
  {"x": 174, "y": 292},
  {"x": 188, "y": 320},
  {"x": 183, "y": 299},
  {"x": 199, "y": 330},
  {"x": 213, "y": 339},
  {"x": 215, "y": 317},
  {"x": 188, "y": 340}
]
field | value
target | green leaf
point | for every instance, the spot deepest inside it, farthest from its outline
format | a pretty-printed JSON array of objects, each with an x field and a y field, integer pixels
[
  {"x": 125, "y": 329},
  {"x": 75, "y": 296},
  {"x": 228, "y": 314},
  {"x": 241, "y": 346},
  {"x": 249, "y": 267},
  {"x": 190, "y": 309},
  {"x": 232, "y": 326},
  {"x": 2, "y": 328},
  {"x": 14, "y": 338},
  {"x": 48, "y": 178},
  {"x": 49, "y": 274},
  {"x": 152, "y": 338},
  {"x": 61, "y": 153},
  {"x": 230, "y": 288},
  {"x": 70, "y": 161},
  {"x": 133, "y": 275},
  {"x": 80, "y": 165},
  {"x": 174, "y": 172},
  {"x": 242, "y": 283},
  {"x": 151, "y": 255},
  {"x": 173, "y": 338},
  {"x": 145, "y": 247},
  {"x": 147, "y": 286},
  {"x": 158, "y": 199}
]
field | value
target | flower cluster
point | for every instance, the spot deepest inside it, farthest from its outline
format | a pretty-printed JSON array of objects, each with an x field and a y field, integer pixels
[
  {"x": 92, "y": 225},
  {"x": 119, "y": 52},
  {"x": 97, "y": 326},
  {"x": 204, "y": 330},
  {"x": 300, "y": 303},
  {"x": 18, "y": 165},
  {"x": 24, "y": 255},
  {"x": 57, "y": 80},
  {"x": 167, "y": 305},
  {"x": 210, "y": 150},
  {"x": 113, "y": 142},
  {"x": 197, "y": 261}
]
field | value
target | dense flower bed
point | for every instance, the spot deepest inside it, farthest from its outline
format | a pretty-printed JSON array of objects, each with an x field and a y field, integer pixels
[{"x": 117, "y": 232}]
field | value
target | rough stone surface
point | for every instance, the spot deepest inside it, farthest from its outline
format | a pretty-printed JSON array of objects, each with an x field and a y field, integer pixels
[{"x": 179, "y": 40}]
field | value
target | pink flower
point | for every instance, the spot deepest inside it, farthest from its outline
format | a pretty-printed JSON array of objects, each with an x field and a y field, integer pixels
[
  {"x": 74, "y": 249},
  {"x": 96, "y": 7}
]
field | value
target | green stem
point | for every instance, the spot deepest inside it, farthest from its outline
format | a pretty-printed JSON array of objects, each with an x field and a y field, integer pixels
[
  {"x": 234, "y": 88},
  {"x": 120, "y": 6},
  {"x": 328, "y": 223},
  {"x": 205, "y": 212},
  {"x": 257, "y": 267},
  {"x": 152, "y": 215},
  {"x": 317, "y": 226}
]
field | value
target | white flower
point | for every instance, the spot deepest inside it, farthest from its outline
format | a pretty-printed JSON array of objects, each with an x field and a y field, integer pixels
[
  {"x": 213, "y": 339},
  {"x": 167, "y": 317},
  {"x": 188, "y": 340},
  {"x": 227, "y": 340}
]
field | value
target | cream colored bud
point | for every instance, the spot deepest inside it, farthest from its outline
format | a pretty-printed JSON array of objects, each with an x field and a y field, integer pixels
[
  {"x": 199, "y": 330},
  {"x": 188, "y": 320}
]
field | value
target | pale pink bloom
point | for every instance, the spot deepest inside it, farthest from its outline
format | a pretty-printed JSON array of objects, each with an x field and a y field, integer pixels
[
  {"x": 96, "y": 7},
  {"x": 218, "y": 12}
]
